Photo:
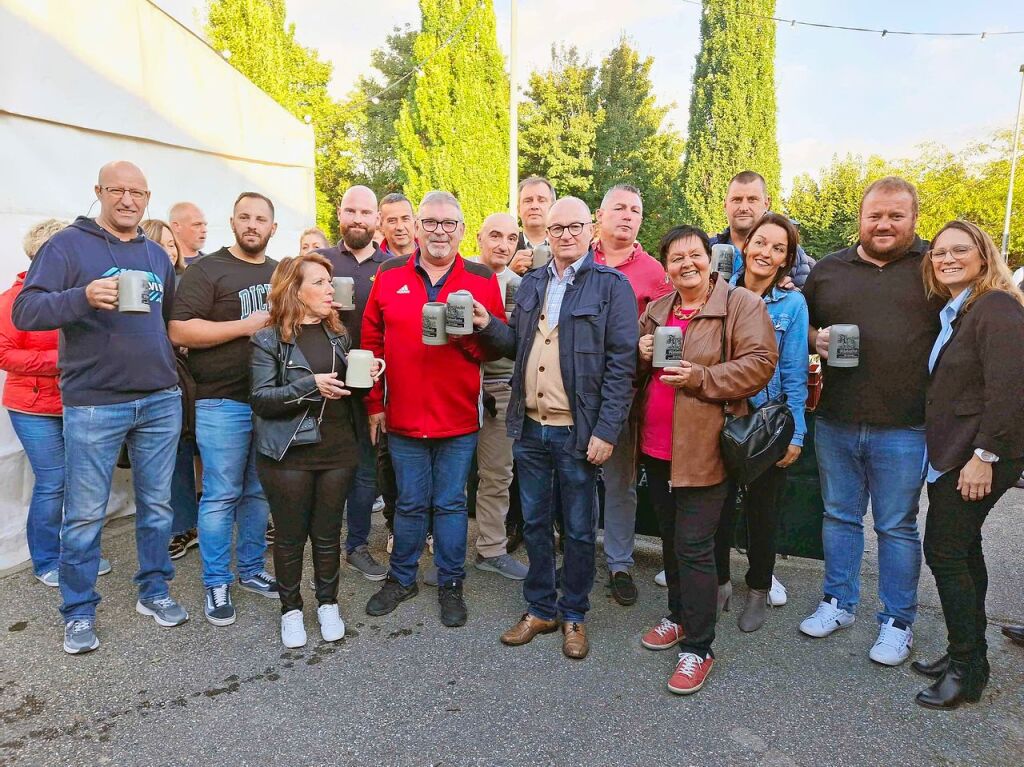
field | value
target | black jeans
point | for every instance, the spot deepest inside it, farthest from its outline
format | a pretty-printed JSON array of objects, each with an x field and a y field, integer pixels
[
  {"x": 306, "y": 504},
  {"x": 688, "y": 518},
  {"x": 761, "y": 501},
  {"x": 952, "y": 549}
]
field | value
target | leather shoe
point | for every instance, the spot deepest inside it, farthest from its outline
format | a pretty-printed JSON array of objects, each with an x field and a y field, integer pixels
[
  {"x": 1015, "y": 634},
  {"x": 623, "y": 589},
  {"x": 574, "y": 641},
  {"x": 962, "y": 682},
  {"x": 527, "y": 628}
]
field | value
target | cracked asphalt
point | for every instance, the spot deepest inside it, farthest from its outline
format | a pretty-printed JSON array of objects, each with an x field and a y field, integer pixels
[{"x": 404, "y": 690}]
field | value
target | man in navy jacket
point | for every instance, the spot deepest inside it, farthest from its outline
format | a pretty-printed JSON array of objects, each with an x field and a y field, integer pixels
[{"x": 573, "y": 335}]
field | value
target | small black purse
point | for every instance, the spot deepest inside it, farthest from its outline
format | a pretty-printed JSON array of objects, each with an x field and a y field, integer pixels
[
  {"x": 753, "y": 443},
  {"x": 308, "y": 432}
]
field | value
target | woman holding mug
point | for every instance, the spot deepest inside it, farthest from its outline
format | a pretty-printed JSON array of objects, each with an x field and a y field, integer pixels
[
  {"x": 681, "y": 412},
  {"x": 769, "y": 254},
  {"x": 308, "y": 434},
  {"x": 974, "y": 428}
]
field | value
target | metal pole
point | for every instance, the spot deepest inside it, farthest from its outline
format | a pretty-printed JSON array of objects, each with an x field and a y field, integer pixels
[
  {"x": 1013, "y": 169},
  {"x": 513, "y": 115}
]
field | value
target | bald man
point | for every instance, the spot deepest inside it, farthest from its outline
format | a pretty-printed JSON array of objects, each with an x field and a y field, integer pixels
[
  {"x": 497, "y": 239},
  {"x": 189, "y": 226},
  {"x": 573, "y": 336},
  {"x": 119, "y": 384},
  {"x": 357, "y": 256}
]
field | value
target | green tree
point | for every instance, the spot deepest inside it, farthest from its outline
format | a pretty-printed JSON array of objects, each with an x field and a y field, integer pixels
[
  {"x": 732, "y": 106},
  {"x": 558, "y": 124},
  {"x": 262, "y": 46},
  {"x": 631, "y": 146},
  {"x": 452, "y": 131}
]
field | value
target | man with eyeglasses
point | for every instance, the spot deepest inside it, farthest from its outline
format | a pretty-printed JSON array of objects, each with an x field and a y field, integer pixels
[
  {"x": 573, "y": 336},
  {"x": 869, "y": 430},
  {"x": 431, "y": 411},
  {"x": 189, "y": 226},
  {"x": 119, "y": 383}
]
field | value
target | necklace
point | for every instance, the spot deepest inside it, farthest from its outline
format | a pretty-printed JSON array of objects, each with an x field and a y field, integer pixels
[{"x": 687, "y": 314}]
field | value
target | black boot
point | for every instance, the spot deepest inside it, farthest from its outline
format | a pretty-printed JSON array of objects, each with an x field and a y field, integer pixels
[
  {"x": 963, "y": 681},
  {"x": 1015, "y": 634},
  {"x": 934, "y": 670}
]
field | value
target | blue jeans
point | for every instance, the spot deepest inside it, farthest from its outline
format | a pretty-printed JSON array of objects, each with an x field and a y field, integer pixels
[
  {"x": 183, "y": 488},
  {"x": 93, "y": 436},
  {"x": 431, "y": 474},
  {"x": 542, "y": 456},
  {"x": 42, "y": 436},
  {"x": 619, "y": 477},
  {"x": 885, "y": 464},
  {"x": 360, "y": 500},
  {"x": 232, "y": 494}
]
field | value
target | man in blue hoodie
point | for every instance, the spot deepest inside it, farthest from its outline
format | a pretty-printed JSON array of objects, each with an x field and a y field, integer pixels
[{"x": 119, "y": 383}]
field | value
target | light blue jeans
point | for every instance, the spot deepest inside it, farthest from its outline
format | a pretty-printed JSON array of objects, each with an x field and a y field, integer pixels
[
  {"x": 42, "y": 436},
  {"x": 92, "y": 437},
  {"x": 232, "y": 494},
  {"x": 885, "y": 464}
]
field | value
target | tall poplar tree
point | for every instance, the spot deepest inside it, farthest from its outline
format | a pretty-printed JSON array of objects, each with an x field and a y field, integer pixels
[
  {"x": 452, "y": 132},
  {"x": 732, "y": 106}
]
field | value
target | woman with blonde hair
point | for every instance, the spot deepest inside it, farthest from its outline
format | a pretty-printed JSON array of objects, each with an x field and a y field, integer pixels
[
  {"x": 309, "y": 432},
  {"x": 312, "y": 239},
  {"x": 974, "y": 427},
  {"x": 161, "y": 233}
]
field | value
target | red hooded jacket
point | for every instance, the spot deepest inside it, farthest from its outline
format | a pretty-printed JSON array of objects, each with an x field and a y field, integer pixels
[
  {"x": 432, "y": 391},
  {"x": 30, "y": 359}
]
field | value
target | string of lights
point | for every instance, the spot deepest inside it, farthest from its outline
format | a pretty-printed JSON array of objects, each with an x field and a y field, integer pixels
[{"x": 882, "y": 32}]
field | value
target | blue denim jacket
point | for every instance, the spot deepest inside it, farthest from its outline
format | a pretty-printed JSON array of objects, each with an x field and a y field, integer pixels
[{"x": 788, "y": 311}]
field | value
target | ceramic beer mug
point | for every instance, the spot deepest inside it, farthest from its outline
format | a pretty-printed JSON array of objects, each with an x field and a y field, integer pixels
[
  {"x": 722, "y": 256},
  {"x": 360, "y": 363},
  {"x": 511, "y": 287},
  {"x": 459, "y": 315},
  {"x": 541, "y": 255},
  {"x": 344, "y": 292},
  {"x": 844, "y": 346},
  {"x": 433, "y": 324},
  {"x": 133, "y": 292},
  {"x": 668, "y": 347}
]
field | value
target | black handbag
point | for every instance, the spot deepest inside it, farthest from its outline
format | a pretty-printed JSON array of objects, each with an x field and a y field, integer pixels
[
  {"x": 308, "y": 432},
  {"x": 753, "y": 443}
]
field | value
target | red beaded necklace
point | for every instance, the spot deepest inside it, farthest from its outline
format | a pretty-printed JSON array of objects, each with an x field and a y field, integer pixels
[{"x": 688, "y": 314}]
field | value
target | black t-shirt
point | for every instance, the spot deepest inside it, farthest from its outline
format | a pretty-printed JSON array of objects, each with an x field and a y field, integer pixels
[
  {"x": 337, "y": 446},
  {"x": 363, "y": 274},
  {"x": 219, "y": 288},
  {"x": 898, "y": 326}
]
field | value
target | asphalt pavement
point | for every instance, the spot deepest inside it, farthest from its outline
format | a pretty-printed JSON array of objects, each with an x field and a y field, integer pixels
[{"x": 405, "y": 690}]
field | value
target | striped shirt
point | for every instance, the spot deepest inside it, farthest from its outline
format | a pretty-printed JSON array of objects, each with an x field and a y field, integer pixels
[{"x": 557, "y": 286}]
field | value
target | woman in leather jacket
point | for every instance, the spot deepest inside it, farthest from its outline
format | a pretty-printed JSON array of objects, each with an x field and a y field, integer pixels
[{"x": 308, "y": 431}]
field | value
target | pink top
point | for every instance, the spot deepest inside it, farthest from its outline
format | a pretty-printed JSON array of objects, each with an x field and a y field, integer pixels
[
  {"x": 656, "y": 426},
  {"x": 646, "y": 275}
]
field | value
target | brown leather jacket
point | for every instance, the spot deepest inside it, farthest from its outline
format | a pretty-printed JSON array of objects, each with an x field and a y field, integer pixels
[{"x": 698, "y": 414}]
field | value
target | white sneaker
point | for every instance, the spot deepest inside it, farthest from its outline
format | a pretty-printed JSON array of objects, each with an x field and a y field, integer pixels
[
  {"x": 826, "y": 619},
  {"x": 332, "y": 627},
  {"x": 293, "y": 633},
  {"x": 893, "y": 644},
  {"x": 378, "y": 505},
  {"x": 777, "y": 594},
  {"x": 430, "y": 542},
  {"x": 660, "y": 579}
]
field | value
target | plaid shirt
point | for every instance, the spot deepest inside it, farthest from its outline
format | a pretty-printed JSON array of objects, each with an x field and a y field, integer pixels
[{"x": 556, "y": 289}]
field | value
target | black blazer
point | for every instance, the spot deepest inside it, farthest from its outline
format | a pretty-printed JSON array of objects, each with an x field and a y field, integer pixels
[{"x": 976, "y": 390}]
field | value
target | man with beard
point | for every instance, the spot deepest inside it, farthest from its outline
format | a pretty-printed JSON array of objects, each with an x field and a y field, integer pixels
[
  {"x": 357, "y": 257},
  {"x": 397, "y": 222},
  {"x": 221, "y": 302},
  {"x": 869, "y": 432}
]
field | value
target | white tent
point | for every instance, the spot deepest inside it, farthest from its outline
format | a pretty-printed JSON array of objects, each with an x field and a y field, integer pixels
[{"x": 85, "y": 83}]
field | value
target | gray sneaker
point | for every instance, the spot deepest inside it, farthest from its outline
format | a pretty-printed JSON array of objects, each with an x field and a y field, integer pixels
[
  {"x": 429, "y": 574},
  {"x": 80, "y": 636},
  {"x": 164, "y": 610},
  {"x": 52, "y": 577},
  {"x": 361, "y": 560},
  {"x": 503, "y": 564}
]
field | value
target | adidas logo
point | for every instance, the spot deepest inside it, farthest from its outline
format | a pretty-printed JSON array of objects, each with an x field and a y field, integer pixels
[{"x": 403, "y": 290}]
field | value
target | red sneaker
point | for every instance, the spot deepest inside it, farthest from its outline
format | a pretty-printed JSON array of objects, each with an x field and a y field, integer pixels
[
  {"x": 690, "y": 673},
  {"x": 664, "y": 636}
]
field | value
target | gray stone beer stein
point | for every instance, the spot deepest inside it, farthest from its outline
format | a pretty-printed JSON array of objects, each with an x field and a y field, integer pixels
[
  {"x": 459, "y": 314},
  {"x": 133, "y": 292},
  {"x": 844, "y": 346},
  {"x": 433, "y": 324}
]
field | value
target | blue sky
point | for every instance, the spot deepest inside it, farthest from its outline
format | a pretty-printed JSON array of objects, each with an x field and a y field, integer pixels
[{"x": 838, "y": 92}]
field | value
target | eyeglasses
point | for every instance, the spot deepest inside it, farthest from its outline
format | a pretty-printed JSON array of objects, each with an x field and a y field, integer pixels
[
  {"x": 448, "y": 225},
  {"x": 959, "y": 252},
  {"x": 118, "y": 192},
  {"x": 575, "y": 229}
]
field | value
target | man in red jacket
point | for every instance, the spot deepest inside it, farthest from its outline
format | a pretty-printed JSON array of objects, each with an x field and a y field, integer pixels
[{"x": 431, "y": 414}]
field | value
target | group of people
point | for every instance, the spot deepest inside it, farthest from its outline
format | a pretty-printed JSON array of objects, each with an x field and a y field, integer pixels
[{"x": 250, "y": 365}]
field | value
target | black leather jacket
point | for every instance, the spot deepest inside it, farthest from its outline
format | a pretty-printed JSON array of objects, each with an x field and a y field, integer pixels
[{"x": 283, "y": 390}]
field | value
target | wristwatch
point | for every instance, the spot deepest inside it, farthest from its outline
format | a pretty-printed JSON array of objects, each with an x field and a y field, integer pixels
[{"x": 986, "y": 456}]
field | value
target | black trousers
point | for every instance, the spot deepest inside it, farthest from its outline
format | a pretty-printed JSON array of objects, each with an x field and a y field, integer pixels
[
  {"x": 952, "y": 549},
  {"x": 761, "y": 501},
  {"x": 306, "y": 504},
  {"x": 688, "y": 518}
]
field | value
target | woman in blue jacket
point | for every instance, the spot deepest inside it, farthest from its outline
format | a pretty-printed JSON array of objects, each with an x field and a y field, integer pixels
[{"x": 768, "y": 256}]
